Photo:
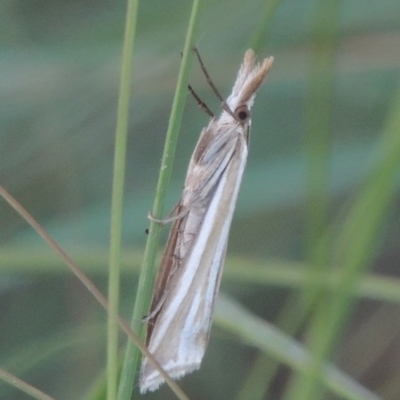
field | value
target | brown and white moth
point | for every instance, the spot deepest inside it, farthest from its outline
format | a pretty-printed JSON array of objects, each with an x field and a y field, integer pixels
[{"x": 187, "y": 284}]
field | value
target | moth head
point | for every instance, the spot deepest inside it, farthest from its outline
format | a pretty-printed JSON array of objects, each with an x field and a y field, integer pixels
[{"x": 242, "y": 114}]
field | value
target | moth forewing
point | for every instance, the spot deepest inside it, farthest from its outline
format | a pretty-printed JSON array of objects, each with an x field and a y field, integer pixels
[
  {"x": 190, "y": 273},
  {"x": 181, "y": 331}
]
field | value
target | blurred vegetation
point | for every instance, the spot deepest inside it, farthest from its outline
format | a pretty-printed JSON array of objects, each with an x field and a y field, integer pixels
[{"x": 318, "y": 203}]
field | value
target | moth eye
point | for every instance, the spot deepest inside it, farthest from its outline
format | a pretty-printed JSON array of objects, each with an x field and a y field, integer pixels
[{"x": 242, "y": 113}]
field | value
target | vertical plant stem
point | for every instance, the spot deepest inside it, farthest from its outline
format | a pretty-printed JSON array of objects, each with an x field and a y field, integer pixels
[
  {"x": 357, "y": 243},
  {"x": 318, "y": 132},
  {"x": 117, "y": 199},
  {"x": 146, "y": 279},
  {"x": 262, "y": 33},
  {"x": 318, "y": 145}
]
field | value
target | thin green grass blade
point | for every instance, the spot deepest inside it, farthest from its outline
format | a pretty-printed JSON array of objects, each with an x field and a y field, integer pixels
[
  {"x": 117, "y": 199},
  {"x": 132, "y": 356},
  {"x": 318, "y": 151},
  {"x": 260, "y": 377},
  {"x": 261, "y": 35},
  {"x": 259, "y": 333},
  {"x": 260, "y": 273},
  {"x": 357, "y": 243}
]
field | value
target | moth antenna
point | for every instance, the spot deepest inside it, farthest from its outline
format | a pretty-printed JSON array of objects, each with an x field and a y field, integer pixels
[
  {"x": 203, "y": 106},
  {"x": 211, "y": 83}
]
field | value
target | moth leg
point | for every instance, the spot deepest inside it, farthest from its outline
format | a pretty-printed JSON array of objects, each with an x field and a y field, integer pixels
[
  {"x": 174, "y": 215},
  {"x": 170, "y": 218},
  {"x": 156, "y": 220},
  {"x": 156, "y": 309},
  {"x": 212, "y": 85}
]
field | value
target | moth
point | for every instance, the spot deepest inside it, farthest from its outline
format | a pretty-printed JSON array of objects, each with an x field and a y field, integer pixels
[{"x": 189, "y": 277}]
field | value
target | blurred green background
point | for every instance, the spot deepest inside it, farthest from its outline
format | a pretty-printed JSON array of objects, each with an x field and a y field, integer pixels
[{"x": 60, "y": 67}]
